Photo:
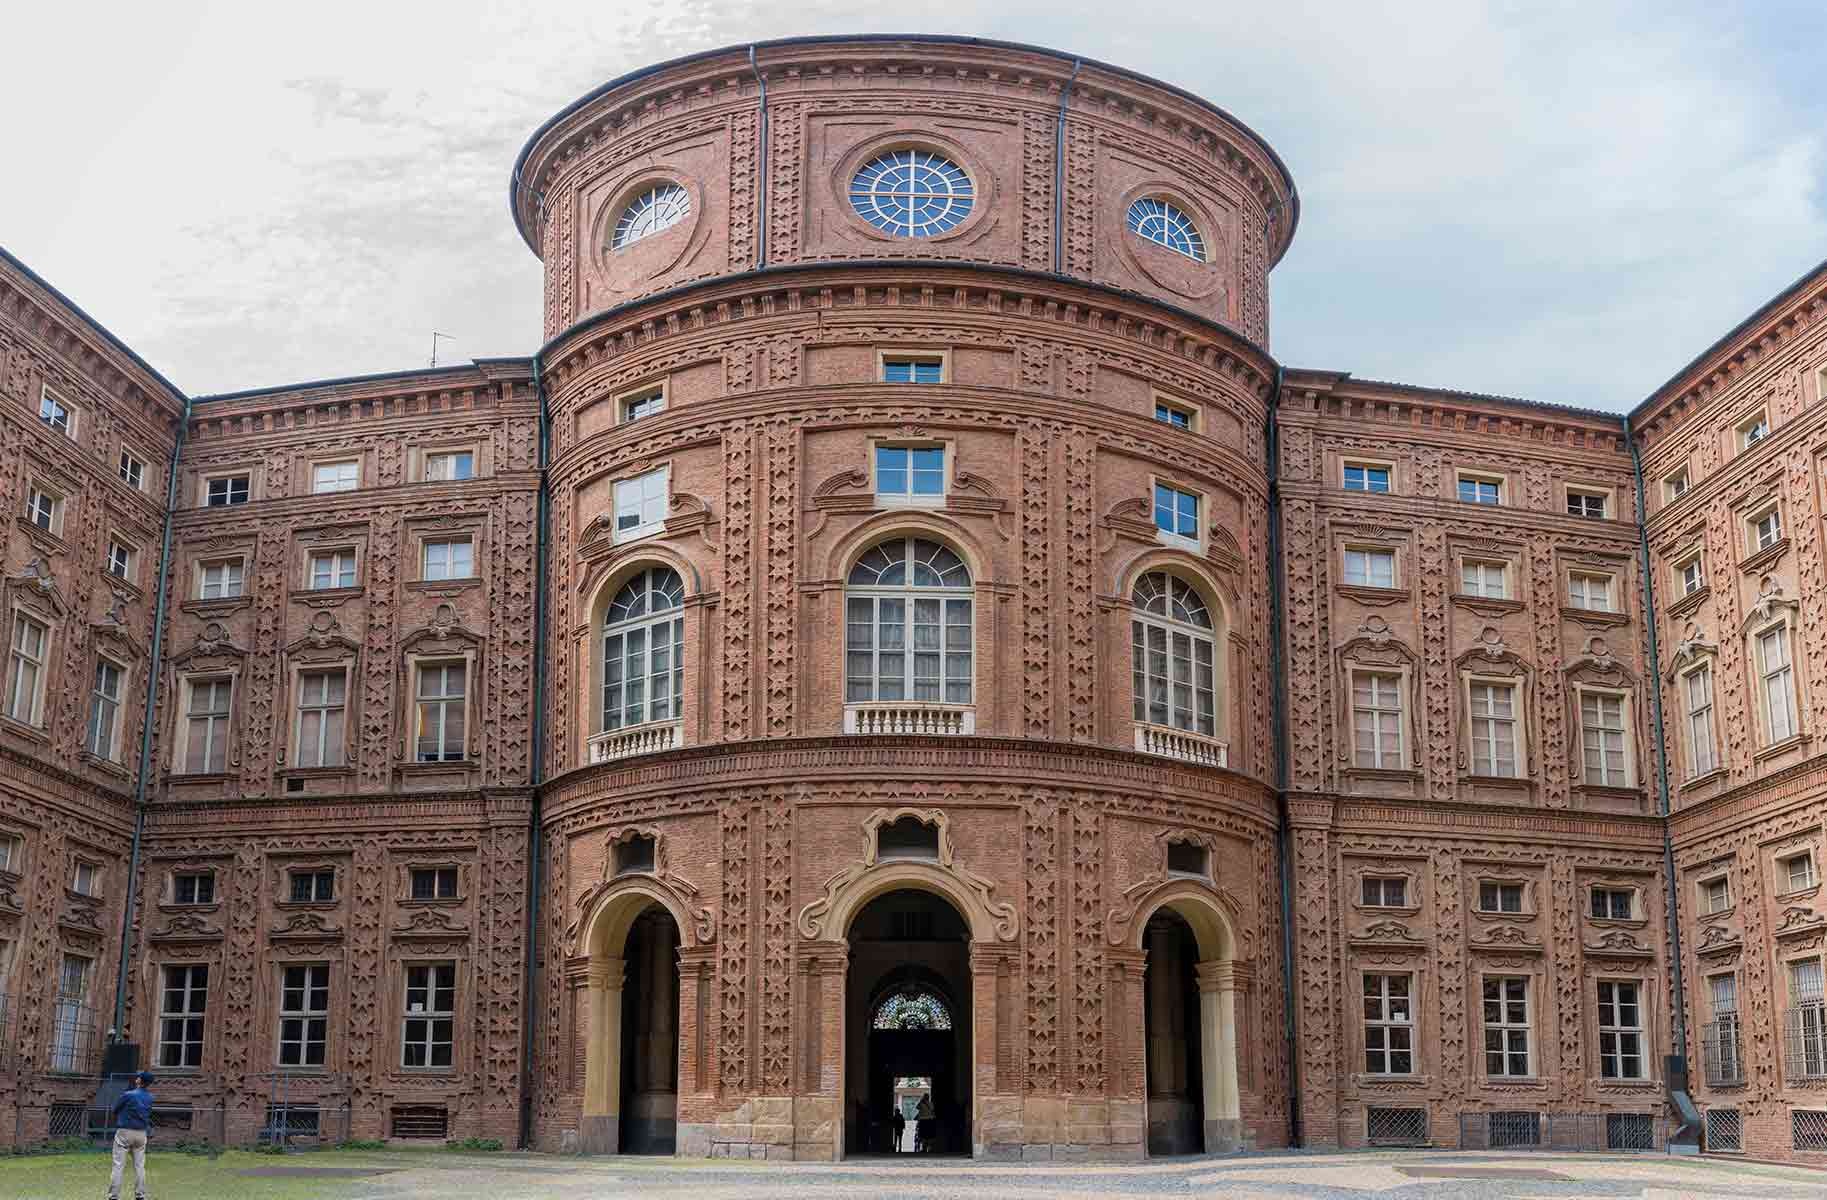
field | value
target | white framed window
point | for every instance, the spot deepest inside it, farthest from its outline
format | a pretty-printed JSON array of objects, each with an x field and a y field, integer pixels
[
  {"x": 1602, "y": 737},
  {"x": 645, "y": 403},
  {"x": 442, "y": 699},
  {"x": 1370, "y": 568},
  {"x": 1382, "y": 891},
  {"x": 182, "y": 1001},
  {"x": 447, "y": 558},
  {"x": 1715, "y": 894},
  {"x": 1765, "y": 529},
  {"x": 332, "y": 569},
  {"x": 658, "y": 208},
  {"x": 1589, "y": 591},
  {"x": 1177, "y": 415},
  {"x": 121, "y": 558},
  {"x": 1488, "y": 580},
  {"x": 322, "y": 718},
  {"x": 1173, "y": 655},
  {"x": 1496, "y": 896},
  {"x": 224, "y": 490},
  {"x": 193, "y": 887},
  {"x": 104, "y": 709},
  {"x": 1806, "y": 1021},
  {"x": 219, "y": 580},
  {"x": 1480, "y": 489},
  {"x": 1697, "y": 692},
  {"x": 1589, "y": 504},
  {"x": 25, "y": 695},
  {"x": 912, "y": 193},
  {"x": 1494, "y": 729},
  {"x": 1366, "y": 477},
  {"x": 1620, "y": 1030},
  {"x": 72, "y": 1026},
  {"x": 1389, "y": 1024},
  {"x": 908, "y": 624},
  {"x": 1722, "y": 993},
  {"x": 57, "y": 413},
  {"x": 1690, "y": 574},
  {"x": 1753, "y": 430},
  {"x": 1376, "y": 720},
  {"x": 1776, "y": 678},
  {"x": 344, "y": 476},
  {"x": 912, "y": 369},
  {"x": 1614, "y": 904},
  {"x": 44, "y": 509},
  {"x": 304, "y": 1014},
  {"x": 12, "y": 854},
  {"x": 1160, "y": 221},
  {"x": 313, "y": 886},
  {"x": 445, "y": 466},
  {"x": 1675, "y": 485},
  {"x": 430, "y": 1017},
  {"x": 640, "y": 505},
  {"x": 1177, "y": 514},
  {"x": 85, "y": 878},
  {"x": 133, "y": 471},
  {"x": 1796, "y": 872},
  {"x": 910, "y": 473},
  {"x": 1507, "y": 1052},
  {"x": 644, "y": 650},
  {"x": 434, "y": 883},
  {"x": 206, "y": 726}
]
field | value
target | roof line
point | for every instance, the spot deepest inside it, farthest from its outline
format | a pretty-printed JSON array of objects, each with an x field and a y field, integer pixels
[
  {"x": 249, "y": 393},
  {"x": 107, "y": 333},
  {"x": 1571, "y": 409},
  {"x": 514, "y": 179}
]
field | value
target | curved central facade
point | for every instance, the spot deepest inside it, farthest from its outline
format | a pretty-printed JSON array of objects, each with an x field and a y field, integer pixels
[{"x": 908, "y": 492}]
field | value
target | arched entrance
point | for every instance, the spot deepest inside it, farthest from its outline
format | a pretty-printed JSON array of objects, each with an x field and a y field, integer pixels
[
  {"x": 908, "y": 1021},
  {"x": 1189, "y": 1017}
]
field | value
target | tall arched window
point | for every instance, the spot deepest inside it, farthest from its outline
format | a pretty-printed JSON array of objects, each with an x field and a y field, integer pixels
[
  {"x": 643, "y": 649},
  {"x": 1175, "y": 656},
  {"x": 908, "y": 624}
]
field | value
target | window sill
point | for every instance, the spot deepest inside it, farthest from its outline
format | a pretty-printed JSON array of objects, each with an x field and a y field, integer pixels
[
  {"x": 1376, "y": 597},
  {"x": 1801, "y": 893},
  {"x": 620, "y": 536},
  {"x": 1401, "y": 773},
  {"x": 306, "y": 905},
  {"x": 1393, "y": 1079},
  {"x": 171, "y": 906},
  {"x": 1618, "y": 922},
  {"x": 315, "y": 772},
  {"x": 1689, "y": 602},
  {"x": 1391, "y": 910},
  {"x": 1490, "y": 606},
  {"x": 1602, "y": 618},
  {"x": 200, "y": 776},
  {"x": 1533, "y": 1083},
  {"x": 444, "y": 586},
  {"x": 1632, "y": 1085},
  {"x": 1765, "y": 557},
  {"x": 1705, "y": 777},
  {"x": 430, "y": 901},
  {"x": 14, "y": 725},
  {"x": 326, "y": 597},
  {"x": 221, "y": 607},
  {"x": 131, "y": 587},
  {"x": 1178, "y": 541},
  {"x": 34, "y": 530},
  {"x": 1783, "y": 747},
  {"x": 103, "y": 764},
  {"x": 890, "y": 500},
  {"x": 1519, "y": 782}
]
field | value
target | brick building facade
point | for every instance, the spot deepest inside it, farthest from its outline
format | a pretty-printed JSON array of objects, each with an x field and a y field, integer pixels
[{"x": 903, "y": 624}]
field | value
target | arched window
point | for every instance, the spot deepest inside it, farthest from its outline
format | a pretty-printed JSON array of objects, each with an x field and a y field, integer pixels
[
  {"x": 912, "y": 1007},
  {"x": 643, "y": 645},
  {"x": 912, "y": 193},
  {"x": 659, "y": 207},
  {"x": 908, "y": 624},
  {"x": 1175, "y": 663},
  {"x": 1165, "y": 224}
]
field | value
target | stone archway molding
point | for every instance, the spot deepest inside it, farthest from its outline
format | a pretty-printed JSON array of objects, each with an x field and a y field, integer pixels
[
  {"x": 604, "y": 913},
  {"x": 847, "y": 891},
  {"x": 1215, "y": 914}
]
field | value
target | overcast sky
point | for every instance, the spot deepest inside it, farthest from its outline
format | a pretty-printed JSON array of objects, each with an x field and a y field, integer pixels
[{"x": 1561, "y": 202}]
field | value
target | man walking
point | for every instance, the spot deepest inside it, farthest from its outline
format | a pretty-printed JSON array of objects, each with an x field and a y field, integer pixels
[{"x": 132, "y": 1116}]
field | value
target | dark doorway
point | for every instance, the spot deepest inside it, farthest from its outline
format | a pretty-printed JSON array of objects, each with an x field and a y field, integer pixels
[
  {"x": 907, "y": 1072},
  {"x": 650, "y": 1035},
  {"x": 1176, "y": 1092}
]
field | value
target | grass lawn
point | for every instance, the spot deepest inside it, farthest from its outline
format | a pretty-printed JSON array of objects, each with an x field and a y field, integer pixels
[{"x": 171, "y": 1175}]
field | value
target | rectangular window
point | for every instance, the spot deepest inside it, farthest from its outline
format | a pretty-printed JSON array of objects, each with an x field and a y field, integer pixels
[
  {"x": 120, "y": 559},
  {"x": 230, "y": 489},
  {"x": 1176, "y": 512},
  {"x": 644, "y": 405},
  {"x": 1494, "y": 729},
  {"x": 448, "y": 465},
  {"x": 193, "y": 887},
  {"x": 1723, "y": 991},
  {"x": 1383, "y": 892},
  {"x": 73, "y": 1022},
  {"x": 1586, "y": 504},
  {"x": 1506, "y": 1025},
  {"x": 440, "y": 712},
  {"x": 1359, "y": 478},
  {"x": 1376, "y": 711},
  {"x": 909, "y": 471},
  {"x": 44, "y": 510},
  {"x": 1691, "y": 575},
  {"x": 1173, "y": 414},
  {"x": 1675, "y": 486},
  {"x": 640, "y": 505},
  {"x": 1489, "y": 580},
  {"x": 86, "y": 879},
  {"x": 434, "y": 883},
  {"x": 104, "y": 708},
  {"x": 1613, "y": 904},
  {"x": 1620, "y": 1030},
  {"x": 1766, "y": 530},
  {"x": 219, "y": 580},
  {"x": 1715, "y": 895},
  {"x": 335, "y": 477},
  {"x": 1370, "y": 568},
  {"x": 1806, "y": 1019},
  {"x": 1500, "y": 897},
  {"x": 304, "y": 1014},
  {"x": 313, "y": 887},
  {"x": 333, "y": 570},
  {"x": 1796, "y": 872},
  {"x": 206, "y": 727},
  {"x": 1589, "y": 591},
  {"x": 30, "y": 640},
  {"x": 431, "y": 1008},
  {"x": 181, "y": 1005},
  {"x": 452, "y": 559},
  {"x": 1480, "y": 491},
  {"x": 133, "y": 471},
  {"x": 1778, "y": 677},
  {"x": 55, "y": 413},
  {"x": 1602, "y": 736},
  {"x": 321, "y": 718},
  {"x": 1753, "y": 431},
  {"x": 11, "y": 854},
  {"x": 1172, "y": 672},
  {"x": 1696, "y": 689},
  {"x": 1389, "y": 1025},
  {"x": 913, "y": 370}
]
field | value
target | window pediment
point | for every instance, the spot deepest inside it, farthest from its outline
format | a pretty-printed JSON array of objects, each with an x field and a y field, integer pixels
[
  {"x": 36, "y": 591},
  {"x": 1597, "y": 665},
  {"x": 445, "y": 635},
  {"x": 1691, "y": 649},
  {"x": 1376, "y": 645},
  {"x": 212, "y": 651},
  {"x": 1770, "y": 606}
]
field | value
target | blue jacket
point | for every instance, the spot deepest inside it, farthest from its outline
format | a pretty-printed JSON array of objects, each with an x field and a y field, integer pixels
[{"x": 134, "y": 1109}]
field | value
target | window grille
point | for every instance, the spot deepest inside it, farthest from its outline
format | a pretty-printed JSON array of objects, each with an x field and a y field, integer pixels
[
  {"x": 1515, "y": 1129},
  {"x": 290, "y": 1120},
  {"x": 68, "y": 1121},
  {"x": 1805, "y": 1035},
  {"x": 1396, "y": 1126},
  {"x": 1720, "y": 1050},
  {"x": 421, "y": 1121},
  {"x": 1630, "y": 1131},
  {"x": 1808, "y": 1128},
  {"x": 1725, "y": 1132}
]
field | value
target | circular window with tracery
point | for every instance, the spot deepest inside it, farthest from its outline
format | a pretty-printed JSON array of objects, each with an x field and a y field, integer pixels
[
  {"x": 1166, "y": 225},
  {"x": 659, "y": 207},
  {"x": 912, "y": 193},
  {"x": 912, "y": 1008}
]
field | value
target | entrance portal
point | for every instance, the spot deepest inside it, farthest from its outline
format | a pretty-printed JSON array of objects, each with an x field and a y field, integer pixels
[
  {"x": 650, "y": 1035},
  {"x": 1171, "y": 1019},
  {"x": 908, "y": 1019}
]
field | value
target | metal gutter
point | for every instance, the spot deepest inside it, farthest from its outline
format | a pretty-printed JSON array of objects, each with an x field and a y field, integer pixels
[
  {"x": 536, "y": 776},
  {"x": 1284, "y": 834},
  {"x": 1059, "y": 171}
]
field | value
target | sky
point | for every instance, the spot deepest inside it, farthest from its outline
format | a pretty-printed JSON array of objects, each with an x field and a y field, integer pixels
[{"x": 1564, "y": 202}]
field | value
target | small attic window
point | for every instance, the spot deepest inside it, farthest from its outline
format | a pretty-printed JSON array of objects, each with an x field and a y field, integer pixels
[
  {"x": 908, "y": 837},
  {"x": 1187, "y": 858},
  {"x": 634, "y": 855}
]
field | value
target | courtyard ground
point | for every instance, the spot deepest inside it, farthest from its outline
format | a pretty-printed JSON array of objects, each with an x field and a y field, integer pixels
[{"x": 397, "y": 1175}]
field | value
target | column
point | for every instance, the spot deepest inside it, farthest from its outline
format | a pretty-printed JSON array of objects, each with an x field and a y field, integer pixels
[
  {"x": 1220, "y": 980},
  {"x": 603, "y": 1058},
  {"x": 1128, "y": 1101},
  {"x": 818, "y": 1118},
  {"x": 996, "y": 1105},
  {"x": 694, "y": 1072}
]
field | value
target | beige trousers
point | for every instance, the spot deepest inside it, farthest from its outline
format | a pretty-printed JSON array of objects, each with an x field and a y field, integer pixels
[{"x": 128, "y": 1141}]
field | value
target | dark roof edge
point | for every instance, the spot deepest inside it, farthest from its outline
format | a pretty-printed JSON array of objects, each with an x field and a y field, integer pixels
[
  {"x": 458, "y": 368},
  {"x": 97, "y": 326},
  {"x": 1737, "y": 331},
  {"x": 1570, "y": 409},
  {"x": 883, "y": 38}
]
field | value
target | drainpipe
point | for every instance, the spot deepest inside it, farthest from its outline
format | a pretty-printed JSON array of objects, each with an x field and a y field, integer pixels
[
  {"x": 1059, "y": 172},
  {"x": 761, "y": 173},
  {"x": 1284, "y": 848},
  {"x": 146, "y": 726},
  {"x": 1676, "y": 1069},
  {"x": 535, "y": 848}
]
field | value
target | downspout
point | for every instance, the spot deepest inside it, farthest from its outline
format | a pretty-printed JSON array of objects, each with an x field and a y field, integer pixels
[
  {"x": 1059, "y": 171},
  {"x": 761, "y": 172},
  {"x": 146, "y": 727},
  {"x": 536, "y": 776},
  {"x": 1278, "y": 734},
  {"x": 1676, "y": 1073}
]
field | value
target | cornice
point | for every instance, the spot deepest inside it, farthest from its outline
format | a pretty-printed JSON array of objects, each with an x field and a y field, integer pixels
[
  {"x": 1333, "y": 502},
  {"x": 419, "y": 498},
  {"x": 1367, "y": 814},
  {"x": 1757, "y": 800},
  {"x": 418, "y": 812}
]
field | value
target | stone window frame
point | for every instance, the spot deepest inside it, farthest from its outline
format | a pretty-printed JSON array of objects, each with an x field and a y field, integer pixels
[
  {"x": 1637, "y": 915},
  {"x": 1201, "y": 512},
  {"x": 1607, "y": 495},
  {"x": 311, "y": 553},
  {"x": 1746, "y": 426},
  {"x": 1519, "y": 679},
  {"x": 1703, "y": 883},
  {"x": 131, "y": 453},
  {"x": 1414, "y": 970},
  {"x": 439, "y": 646},
  {"x": 1195, "y": 414},
  {"x": 1406, "y": 724},
  {"x": 918, "y": 354},
  {"x": 280, "y": 962},
  {"x": 72, "y": 411},
  {"x": 199, "y": 565},
  {"x": 1398, "y": 572},
  {"x": 948, "y": 457},
  {"x": 1590, "y": 574},
  {"x": 1482, "y": 475},
  {"x": 628, "y": 398},
  {"x": 1753, "y": 516},
  {"x": 55, "y": 497},
  {"x": 115, "y": 538},
  {"x": 117, "y": 749},
  {"x": 1211, "y": 593},
  {"x": 1534, "y": 993},
  {"x": 52, "y": 620},
  {"x": 984, "y": 188},
  {"x": 1626, "y": 692},
  {"x": 341, "y": 658},
  {"x": 168, "y": 886},
  {"x": 406, "y": 868},
  {"x": 1644, "y": 981},
  {"x": 187, "y": 680},
  {"x": 1781, "y": 856},
  {"x": 406, "y": 957},
  {"x": 1678, "y": 565},
  {"x": 1368, "y": 463},
  {"x": 314, "y": 462},
  {"x": 285, "y": 868},
  {"x": 466, "y": 527},
  {"x": 13, "y": 837},
  {"x": 1468, "y": 558},
  {"x": 599, "y": 590},
  {"x": 620, "y": 536},
  {"x": 1685, "y": 738},
  {"x": 205, "y": 478},
  {"x": 1677, "y": 483},
  {"x": 205, "y": 1043},
  {"x": 97, "y": 866},
  {"x": 1410, "y": 877},
  {"x": 417, "y": 458},
  {"x": 1497, "y": 877},
  {"x": 1781, "y": 618}
]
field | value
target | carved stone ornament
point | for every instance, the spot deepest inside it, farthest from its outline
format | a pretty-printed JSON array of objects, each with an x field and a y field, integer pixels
[
  {"x": 1001, "y": 914},
  {"x": 1619, "y": 942},
  {"x": 306, "y": 925},
  {"x": 430, "y": 921},
  {"x": 1509, "y": 937},
  {"x": 1120, "y": 919},
  {"x": 1387, "y": 936},
  {"x": 684, "y": 892},
  {"x": 1693, "y": 645},
  {"x": 187, "y": 927},
  {"x": 1797, "y": 920},
  {"x": 212, "y": 649},
  {"x": 1769, "y": 605}
]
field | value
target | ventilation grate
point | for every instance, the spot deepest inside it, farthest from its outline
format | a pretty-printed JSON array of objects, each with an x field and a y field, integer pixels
[
  {"x": 421, "y": 1121},
  {"x": 1396, "y": 1126},
  {"x": 1725, "y": 1130},
  {"x": 1810, "y": 1128}
]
